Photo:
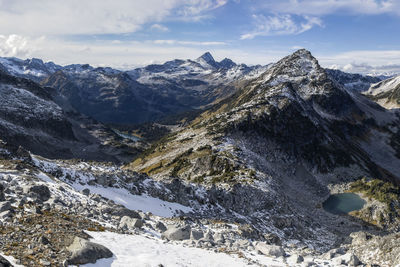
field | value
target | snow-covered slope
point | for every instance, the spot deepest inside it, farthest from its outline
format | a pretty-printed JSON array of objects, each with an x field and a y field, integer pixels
[
  {"x": 354, "y": 82},
  {"x": 34, "y": 68},
  {"x": 386, "y": 93}
]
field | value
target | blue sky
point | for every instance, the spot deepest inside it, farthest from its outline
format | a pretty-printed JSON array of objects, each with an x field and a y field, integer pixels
[{"x": 352, "y": 35}]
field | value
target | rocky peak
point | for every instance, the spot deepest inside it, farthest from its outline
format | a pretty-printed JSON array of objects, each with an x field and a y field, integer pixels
[
  {"x": 35, "y": 62},
  {"x": 208, "y": 59},
  {"x": 227, "y": 63},
  {"x": 300, "y": 62}
]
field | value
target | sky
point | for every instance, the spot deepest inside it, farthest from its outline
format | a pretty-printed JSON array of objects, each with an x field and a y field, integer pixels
[{"x": 359, "y": 36}]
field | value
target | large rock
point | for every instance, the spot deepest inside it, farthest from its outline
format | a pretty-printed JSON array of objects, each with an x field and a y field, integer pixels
[
  {"x": 4, "y": 262},
  {"x": 269, "y": 250},
  {"x": 161, "y": 227},
  {"x": 2, "y": 196},
  {"x": 294, "y": 259},
  {"x": 176, "y": 233},
  {"x": 39, "y": 192},
  {"x": 122, "y": 212},
  {"x": 130, "y": 223},
  {"x": 4, "y": 206},
  {"x": 196, "y": 234},
  {"x": 84, "y": 252}
]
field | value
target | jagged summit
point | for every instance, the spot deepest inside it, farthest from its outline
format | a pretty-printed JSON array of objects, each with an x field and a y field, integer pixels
[
  {"x": 207, "y": 57},
  {"x": 227, "y": 63}
]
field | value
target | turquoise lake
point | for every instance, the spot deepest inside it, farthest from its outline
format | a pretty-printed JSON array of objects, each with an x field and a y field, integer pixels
[{"x": 343, "y": 203}]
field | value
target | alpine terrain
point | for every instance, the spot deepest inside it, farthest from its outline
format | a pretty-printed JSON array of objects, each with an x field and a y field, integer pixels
[{"x": 198, "y": 163}]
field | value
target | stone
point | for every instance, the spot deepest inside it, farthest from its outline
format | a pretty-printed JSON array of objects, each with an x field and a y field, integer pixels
[
  {"x": 44, "y": 240},
  {"x": 219, "y": 238},
  {"x": 248, "y": 232},
  {"x": 122, "y": 212},
  {"x": 269, "y": 250},
  {"x": 208, "y": 236},
  {"x": 161, "y": 227},
  {"x": 130, "y": 223},
  {"x": 4, "y": 262},
  {"x": 84, "y": 252},
  {"x": 2, "y": 196},
  {"x": 86, "y": 191},
  {"x": 295, "y": 259},
  {"x": 272, "y": 239},
  {"x": 351, "y": 259},
  {"x": 176, "y": 233},
  {"x": 196, "y": 234},
  {"x": 4, "y": 206},
  {"x": 39, "y": 192},
  {"x": 6, "y": 214}
]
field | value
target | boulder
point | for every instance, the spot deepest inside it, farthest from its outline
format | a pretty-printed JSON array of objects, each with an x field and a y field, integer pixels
[
  {"x": 39, "y": 192},
  {"x": 295, "y": 259},
  {"x": 130, "y": 223},
  {"x": 4, "y": 262},
  {"x": 161, "y": 227},
  {"x": 4, "y": 206},
  {"x": 2, "y": 196},
  {"x": 122, "y": 212},
  {"x": 350, "y": 259},
  {"x": 196, "y": 234},
  {"x": 176, "y": 233},
  {"x": 84, "y": 252},
  {"x": 86, "y": 191},
  {"x": 219, "y": 238},
  {"x": 269, "y": 250}
]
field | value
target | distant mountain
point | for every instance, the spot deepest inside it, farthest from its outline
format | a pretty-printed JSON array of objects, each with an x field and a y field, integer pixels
[
  {"x": 34, "y": 69},
  {"x": 42, "y": 121},
  {"x": 149, "y": 93},
  {"x": 386, "y": 93},
  {"x": 155, "y": 91},
  {"x": 354, "y": 82}
]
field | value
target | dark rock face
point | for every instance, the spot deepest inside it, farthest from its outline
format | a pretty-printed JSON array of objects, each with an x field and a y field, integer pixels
[
  {"x": 115, "y": 98},
  {"x": 31, "y": 118},
  {"x": 4, "y": 262},
  {"x": 40, "y": 192}
]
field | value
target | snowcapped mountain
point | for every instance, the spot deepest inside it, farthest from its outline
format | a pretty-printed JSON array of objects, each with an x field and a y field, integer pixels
[
  {"x": 279, "y": 145},
  {"x": 41, "y": 120},
  {"x": 386, "y": 93},
  {"x": 242, "y": 183},
  {"x": 34, "y": 69},
  {"x": 149, "y": 93},
  {"x": 354, "y": 82}
]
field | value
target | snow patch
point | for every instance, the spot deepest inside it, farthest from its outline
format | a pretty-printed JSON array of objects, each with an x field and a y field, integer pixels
[{"x": 143, "y": 202}]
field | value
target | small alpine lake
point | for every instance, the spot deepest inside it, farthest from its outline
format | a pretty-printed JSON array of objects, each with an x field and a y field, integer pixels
[{"x": 343, "y": 203}]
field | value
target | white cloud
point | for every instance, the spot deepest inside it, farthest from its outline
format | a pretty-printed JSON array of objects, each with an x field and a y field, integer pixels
[
  {"x": 58, "y": 17},
  {"x": 13, "y": 46},
  {"x": 364, "y": 61},
  {"x": 317, "y": 7},
  {"x": 159, "y": 27},
  {"x": 281, "y": 25}
]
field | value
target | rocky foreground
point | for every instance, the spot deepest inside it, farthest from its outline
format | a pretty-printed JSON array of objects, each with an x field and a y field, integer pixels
[{"x": 49, "y": 214}]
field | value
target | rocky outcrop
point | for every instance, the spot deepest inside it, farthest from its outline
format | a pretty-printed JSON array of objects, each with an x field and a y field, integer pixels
[
  {"x": 84, "y": 252},
  {"x": 174, "y": 232}
]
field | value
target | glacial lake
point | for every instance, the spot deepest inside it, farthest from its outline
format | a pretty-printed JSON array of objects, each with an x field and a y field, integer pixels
[
  {"x": 343, "y": 203},
  {"x": 126, "y": 136}
]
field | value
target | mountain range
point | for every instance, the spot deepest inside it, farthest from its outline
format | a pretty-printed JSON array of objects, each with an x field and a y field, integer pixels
[{"x": 247, "y": 174}]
